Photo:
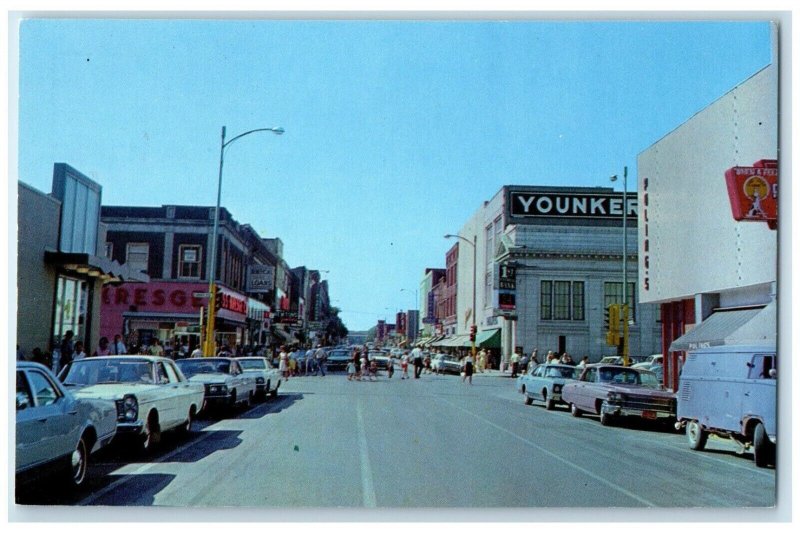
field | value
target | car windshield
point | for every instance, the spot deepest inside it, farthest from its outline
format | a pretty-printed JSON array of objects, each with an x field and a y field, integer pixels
[
  {"x": 622, "y": 375},
  {"x": 651, "y": 379},
  {"x": 97, "y": 371},
  {"x": 253, "y": 364},
  {"x": 193, "y": 367},
  {"x": 560, "y": 372}
]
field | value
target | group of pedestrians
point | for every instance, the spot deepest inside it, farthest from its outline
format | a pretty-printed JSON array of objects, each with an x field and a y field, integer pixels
[{"x": 314, "y": 360}]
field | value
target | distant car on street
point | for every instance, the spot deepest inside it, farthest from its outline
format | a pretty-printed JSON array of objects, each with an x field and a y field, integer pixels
[
  {"x": 545, "y": 382},
  {"x": 613, "y": 391},
  {"x": 151, "y": 394},
  {"x": 380, "y": 357},
  {"x": 650, "y": 361},
  {"x": 338, "y": 358},
  {"x": 268, "y": 378},
  {"x": 54, "y": 429},
  {"x": 225, "y": 383}
]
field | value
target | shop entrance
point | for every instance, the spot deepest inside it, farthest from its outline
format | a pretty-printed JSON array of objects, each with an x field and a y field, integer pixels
[{"x": 562, "y": 344}]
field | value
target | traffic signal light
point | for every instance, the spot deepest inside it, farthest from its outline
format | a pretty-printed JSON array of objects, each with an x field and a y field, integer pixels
[
  {"x": 217, "y": 301},
  {"x": 612, "y": 325},
  {"x": 473, "y": 330}
]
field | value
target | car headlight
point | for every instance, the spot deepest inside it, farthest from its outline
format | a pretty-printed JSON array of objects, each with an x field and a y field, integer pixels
[
  {"x": 128, "y": 408},
  {"x": 615, "y": 396},
  {"x": 556, "y": 388},
  {"x": 216, "y": 389},
  {"x": 260, "y": 381}
]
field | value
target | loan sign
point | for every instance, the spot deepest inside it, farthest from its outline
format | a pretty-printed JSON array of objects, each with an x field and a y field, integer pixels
[{"x": 571, "y": 205}]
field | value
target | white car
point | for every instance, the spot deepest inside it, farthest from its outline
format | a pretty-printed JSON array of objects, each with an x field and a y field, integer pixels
[
  {"x": 268, "y": 378},
  {"x": 226, "y": 384},
  {"x": 56, "y": 429},
  {"x": 652, "y": 360},
  {"x": 151, "y": 393}
]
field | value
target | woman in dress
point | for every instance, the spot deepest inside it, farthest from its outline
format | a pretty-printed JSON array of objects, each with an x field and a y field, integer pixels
[
  {"x": 283, "y": 362},
  {"x": 468, "y": 366}
]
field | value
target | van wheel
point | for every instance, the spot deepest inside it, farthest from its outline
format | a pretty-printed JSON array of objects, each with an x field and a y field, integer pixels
[
  {"x": 573, "y": 409},
  {"x": 763, "y": 450},
  {"x": 696, "y": 435}
]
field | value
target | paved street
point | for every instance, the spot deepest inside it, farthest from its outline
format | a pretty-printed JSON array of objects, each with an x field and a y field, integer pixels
[{"x": 433, "y": 442}]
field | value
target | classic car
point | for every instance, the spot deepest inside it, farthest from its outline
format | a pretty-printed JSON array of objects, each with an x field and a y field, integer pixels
[
  {"x": 225, "y": 383},
  {"x": 545, "y": 382},
  {"x": 380, "y": 357},
  {"x": 268, "y": 378},
  {"x": 150, "y": 392},
  {"x": 613, "y": 391},
  {"x": 650, "y": 361},
  {"x": 445, "y": 364},
  {"x": 54, "y": 428},
  {"x": 338, "y": 358}
]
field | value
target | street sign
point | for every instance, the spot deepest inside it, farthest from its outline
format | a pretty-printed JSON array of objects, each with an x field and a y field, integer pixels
[{"x": 201, "y": 294}]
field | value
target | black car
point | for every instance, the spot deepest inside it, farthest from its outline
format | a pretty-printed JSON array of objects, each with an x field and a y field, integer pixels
[{"x": 338, "y": 358}]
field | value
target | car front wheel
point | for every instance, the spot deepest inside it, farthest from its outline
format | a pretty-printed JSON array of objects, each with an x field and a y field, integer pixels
[
  {"x": 606, "y": 419},
  {"x": 549, "y": 403},
  {"x": 573, "y": 409}
]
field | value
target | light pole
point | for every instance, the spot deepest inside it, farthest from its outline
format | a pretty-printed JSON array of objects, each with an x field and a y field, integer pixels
[
  {"x": 624, "y": 261},
  {"x": 210, "y": 344},
  {"x": 474, "y": 245}
]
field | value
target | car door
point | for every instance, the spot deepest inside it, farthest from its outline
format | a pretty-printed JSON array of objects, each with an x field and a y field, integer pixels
[
  {"x": 535, "y": 382},
  {"x": 172, "y": 394},
  {"x": 47, "y": 429},
  {"x": 585, "y": 389}
]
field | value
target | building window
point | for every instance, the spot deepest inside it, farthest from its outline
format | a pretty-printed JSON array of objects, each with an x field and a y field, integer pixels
[
  {"x": 562, "y": 300},
  {"x": 137, "y": 256},
  {"x": 613, "y": 295},
  {"x": 70, "y": 312},
  {"x": 547, "y": 300},
  {"x": 189, "y": 259}
]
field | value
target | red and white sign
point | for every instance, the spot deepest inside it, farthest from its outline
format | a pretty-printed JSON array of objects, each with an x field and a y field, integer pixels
[{"x": 753, "y": 192}]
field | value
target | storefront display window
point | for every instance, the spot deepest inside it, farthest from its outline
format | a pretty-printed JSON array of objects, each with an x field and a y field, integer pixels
[{"x": 70, "y": 312}]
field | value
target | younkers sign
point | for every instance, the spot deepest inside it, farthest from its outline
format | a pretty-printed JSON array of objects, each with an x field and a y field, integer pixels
[{"x": 571, "y": 205}]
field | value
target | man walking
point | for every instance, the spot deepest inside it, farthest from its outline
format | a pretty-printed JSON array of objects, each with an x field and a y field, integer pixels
[
  {"x": 320, "y": 357},
  {"x": 416, "y": 355},
  {"x": 118, "y": 347}
]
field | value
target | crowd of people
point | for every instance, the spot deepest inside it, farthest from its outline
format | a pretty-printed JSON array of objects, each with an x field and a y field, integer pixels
[{"x": 521, "y": 363}]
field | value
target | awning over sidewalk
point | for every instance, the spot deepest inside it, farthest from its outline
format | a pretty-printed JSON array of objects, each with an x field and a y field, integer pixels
[
  {"x": 736, "y": 326},
  {"x": 107, "y": 270},
  {"x": 488, "y": 339}
]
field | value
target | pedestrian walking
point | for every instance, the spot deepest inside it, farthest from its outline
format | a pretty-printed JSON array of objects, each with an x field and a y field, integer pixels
[
  {"x": 102, "y": 347},
  {"x": 309, "y": 362},
  {"x": 364, "y": 367},
  {"x": 321, "y": 358},
  {"x": 351, "y": 371},
  {"x": 584, "y": 361},
  {"x": 356, "y": 360},
  {"x": 197, "y": 352},
  {"x": 156, "y": 349},
  {"x": 534, "y": 357},
  {"x": 514, "y": 364},
  {"x": 78, "y": 353},
  {"x": 481, "y": 363},
  {"x": 390, "y": 366},
  {"x": 427, "y": 364},
  {"x": 118, "y": 347},
  {"x": 404, "y": 366},
  {"x": 283, "y": 362},
  {"x": 416, "y": 355},
  {"x": 67, "y": 349},
  {"x": 468, "y": 367},
  {"x": 373, "y": 370}
]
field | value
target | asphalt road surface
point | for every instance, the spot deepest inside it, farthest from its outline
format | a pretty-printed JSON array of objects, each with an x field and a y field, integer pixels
[{"x": 431, "y": 443}]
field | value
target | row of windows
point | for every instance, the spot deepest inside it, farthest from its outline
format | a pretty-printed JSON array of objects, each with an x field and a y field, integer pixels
[
  {"x": 137, "y": 255},
  {"x": 565, "y": 300}
]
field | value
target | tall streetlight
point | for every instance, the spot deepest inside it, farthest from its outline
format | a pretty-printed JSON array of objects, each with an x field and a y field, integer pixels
[
  {"x": 624, "y": 259},
  {"x": 474, "y": 245},
  {"x": 210, "y": 344}
]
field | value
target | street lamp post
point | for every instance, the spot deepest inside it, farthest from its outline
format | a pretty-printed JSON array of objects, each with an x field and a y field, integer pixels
[
  {"x": 210, "y": 343},
  {"x": 474, "y": 245},
  {"x": 624, "y": 261}
]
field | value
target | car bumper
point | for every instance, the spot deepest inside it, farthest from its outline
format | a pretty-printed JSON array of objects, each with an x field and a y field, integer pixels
[
  {"x": 648, "y": 414},
  {"x": 130, "y": 428}
]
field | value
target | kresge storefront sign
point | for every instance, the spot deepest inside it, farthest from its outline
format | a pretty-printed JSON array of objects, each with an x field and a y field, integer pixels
[{"x": 571, "y": 205}]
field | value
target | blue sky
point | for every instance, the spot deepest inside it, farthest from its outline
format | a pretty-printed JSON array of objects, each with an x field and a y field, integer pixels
[{"x": 396, "y": 131}]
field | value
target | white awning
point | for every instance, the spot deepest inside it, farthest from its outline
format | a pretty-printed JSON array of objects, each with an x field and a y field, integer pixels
[{"x": 737, "y": 326}]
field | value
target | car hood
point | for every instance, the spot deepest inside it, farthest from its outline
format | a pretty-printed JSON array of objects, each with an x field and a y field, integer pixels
[
  {"x": 213, "y": 377},
  {"x": 112, "y": 391},
  {"x": 637, "y": 389}
]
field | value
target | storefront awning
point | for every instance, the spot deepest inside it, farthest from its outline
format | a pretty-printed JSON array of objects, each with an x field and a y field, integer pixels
[
  {"x": 108, "y": 270},
  {"x": 488, "y": 339},
  {"x": 285, "y": 336},
  {"x": 723, "y": 327},
  {"x": 455, "y": 341}
]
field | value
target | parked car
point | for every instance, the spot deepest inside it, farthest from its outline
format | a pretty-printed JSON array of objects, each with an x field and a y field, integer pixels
[
  {"x": 447, "y": 364},
  {"x": 650, "y": 361},
  {"x": 613, "y": 391},
  {"x": 54, "y": 428},
  {"x": 151, "y": 393},
  {"x": 545, "y": 382},
  {"x": 225, "y": 383},
  {"x": 338, "y": 358},
  {"x": 268, "y": 378},
  {"x": 730, "y": 391}
]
